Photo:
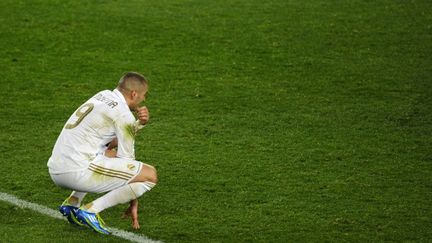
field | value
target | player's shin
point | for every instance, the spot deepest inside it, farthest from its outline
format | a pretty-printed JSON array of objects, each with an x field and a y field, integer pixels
[{"x": 120, "y": 195}]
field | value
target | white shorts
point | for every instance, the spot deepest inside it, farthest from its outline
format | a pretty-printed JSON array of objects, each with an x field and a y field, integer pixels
[{"x": 103, "y": 174}]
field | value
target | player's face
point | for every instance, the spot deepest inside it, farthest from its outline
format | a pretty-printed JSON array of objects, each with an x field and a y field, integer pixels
[{"x": 138, "y": 97}]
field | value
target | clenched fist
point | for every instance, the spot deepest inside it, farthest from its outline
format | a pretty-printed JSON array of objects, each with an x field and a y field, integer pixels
[{"x": 143, "y": 115}]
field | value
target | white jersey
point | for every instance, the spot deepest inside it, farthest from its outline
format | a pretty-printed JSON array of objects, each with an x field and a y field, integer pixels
[{"x": 93, "y": 125}]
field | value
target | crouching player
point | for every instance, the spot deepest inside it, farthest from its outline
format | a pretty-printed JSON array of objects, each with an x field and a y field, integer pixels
[{"x": 82, "y": 159}]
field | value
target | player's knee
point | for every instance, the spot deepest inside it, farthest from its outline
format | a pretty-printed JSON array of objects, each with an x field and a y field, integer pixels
[
  {"x": 153, "y": 175},
  {"x": 148, "y": 174}
]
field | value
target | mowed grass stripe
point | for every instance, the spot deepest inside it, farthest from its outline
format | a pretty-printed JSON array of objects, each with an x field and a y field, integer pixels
[{"x": 55, "y": 214}]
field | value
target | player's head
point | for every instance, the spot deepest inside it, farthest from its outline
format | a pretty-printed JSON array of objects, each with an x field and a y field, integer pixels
[{"x": 134, "y": 88}]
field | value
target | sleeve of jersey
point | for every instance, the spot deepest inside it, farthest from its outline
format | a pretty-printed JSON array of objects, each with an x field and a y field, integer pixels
[{"x": 125, "y": 132}]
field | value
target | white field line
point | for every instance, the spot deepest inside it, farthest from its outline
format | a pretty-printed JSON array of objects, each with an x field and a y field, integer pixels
[{"x": 56, "y": 214}]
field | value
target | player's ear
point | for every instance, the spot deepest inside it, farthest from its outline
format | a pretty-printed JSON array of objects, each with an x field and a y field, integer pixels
[{"x": 133, "y": 94}]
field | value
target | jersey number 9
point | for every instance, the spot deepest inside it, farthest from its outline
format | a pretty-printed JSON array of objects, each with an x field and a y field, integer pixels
[{"x": 82, "y": 112}]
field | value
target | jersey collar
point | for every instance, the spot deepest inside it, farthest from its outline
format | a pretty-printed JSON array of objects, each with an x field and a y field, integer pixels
[{"x": 120, "y": 95}]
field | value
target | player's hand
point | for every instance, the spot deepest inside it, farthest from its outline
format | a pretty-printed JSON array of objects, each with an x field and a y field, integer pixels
[
  {"x": 132, "y": 211},
  {"x": 143, "y": 115},
  {"x": 110, "y": 153}
]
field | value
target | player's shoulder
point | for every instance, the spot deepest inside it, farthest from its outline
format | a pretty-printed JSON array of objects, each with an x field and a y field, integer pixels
[
  {"x": 107, "y": 93},
  {"x": 107, "y": 99},
  {"x": 113, "y": 106}
]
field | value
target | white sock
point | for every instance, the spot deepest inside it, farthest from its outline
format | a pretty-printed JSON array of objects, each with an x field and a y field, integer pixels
[
  {"x": 122, "y": 194},
  {"x": 76, "y": 198}
]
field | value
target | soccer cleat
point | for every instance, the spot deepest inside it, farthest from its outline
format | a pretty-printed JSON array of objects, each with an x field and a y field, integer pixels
[
  {"x": 67, "y": 210},
  {"x": 93, "y": 220}
]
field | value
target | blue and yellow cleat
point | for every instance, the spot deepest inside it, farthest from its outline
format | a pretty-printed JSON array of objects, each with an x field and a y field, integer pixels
[
  {"x": 67, "y": 210},
  {"x": 93, "y": 220}
]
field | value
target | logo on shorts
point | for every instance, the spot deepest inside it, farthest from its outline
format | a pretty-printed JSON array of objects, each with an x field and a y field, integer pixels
[{"x": 131, "y": 166}]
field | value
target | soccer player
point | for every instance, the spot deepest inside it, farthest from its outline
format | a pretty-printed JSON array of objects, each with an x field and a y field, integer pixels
[{"x": 84, "y": 158}]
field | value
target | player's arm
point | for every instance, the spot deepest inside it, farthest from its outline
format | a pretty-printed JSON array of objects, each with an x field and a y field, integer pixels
[
  {"x": 132, "y": 211},
  {"x": 125, "y": 133}
]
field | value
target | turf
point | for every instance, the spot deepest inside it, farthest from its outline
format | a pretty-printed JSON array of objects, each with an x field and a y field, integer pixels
[{"x": 271, "y": 121}]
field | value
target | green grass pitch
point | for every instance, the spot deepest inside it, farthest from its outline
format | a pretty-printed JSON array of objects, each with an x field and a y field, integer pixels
[{"x": 271, "y": 121}]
